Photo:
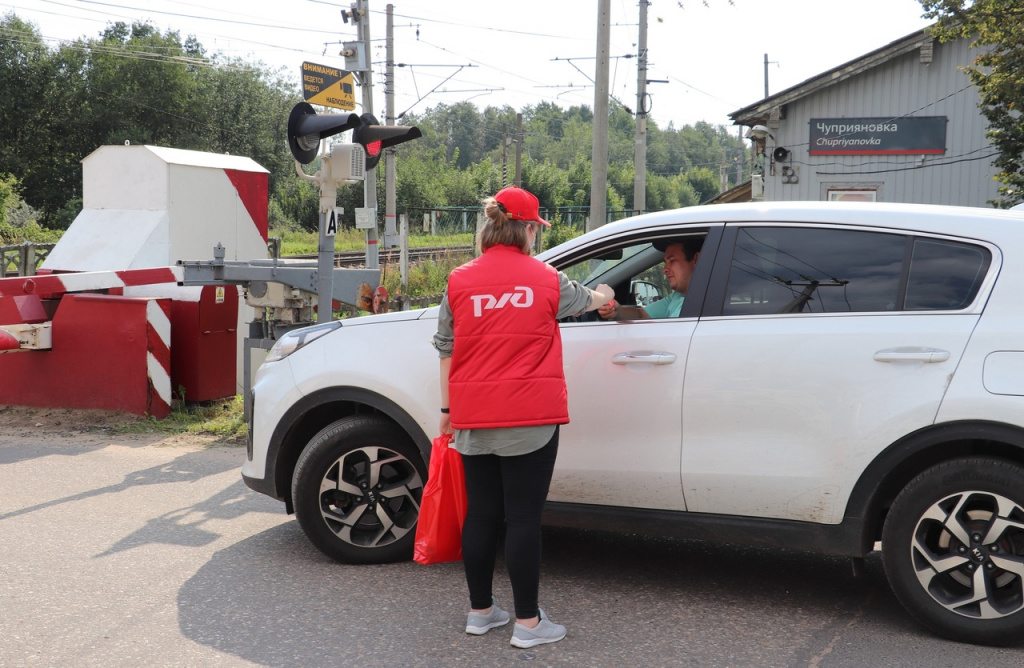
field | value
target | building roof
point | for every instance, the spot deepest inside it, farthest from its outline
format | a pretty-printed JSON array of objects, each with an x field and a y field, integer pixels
[
  {"x": 177, "y": 156},
  {"x": 740, "y": 193},
  {"x": 760, "y": 111}
]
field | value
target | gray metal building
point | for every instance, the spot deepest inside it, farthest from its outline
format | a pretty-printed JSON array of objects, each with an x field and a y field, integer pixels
[{"x": 899, "y": 124}]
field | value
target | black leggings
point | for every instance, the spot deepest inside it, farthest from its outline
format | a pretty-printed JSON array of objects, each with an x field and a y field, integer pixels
[{"x": 499, "y": 490}]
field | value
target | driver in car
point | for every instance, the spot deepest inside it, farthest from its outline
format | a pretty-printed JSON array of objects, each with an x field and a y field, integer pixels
[{"x": 680, "y": 261}]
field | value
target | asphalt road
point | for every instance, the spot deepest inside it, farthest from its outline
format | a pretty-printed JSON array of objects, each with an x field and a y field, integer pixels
[{"x": 132, "y": 551}]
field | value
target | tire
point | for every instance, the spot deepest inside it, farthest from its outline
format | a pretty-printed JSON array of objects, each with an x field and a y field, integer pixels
[
  {"x": 953, "y": 549},
  {"x": 356, "y": 491}
]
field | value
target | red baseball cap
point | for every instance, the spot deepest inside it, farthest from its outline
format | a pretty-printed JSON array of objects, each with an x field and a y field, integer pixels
[{"x": 520, "y": 204}]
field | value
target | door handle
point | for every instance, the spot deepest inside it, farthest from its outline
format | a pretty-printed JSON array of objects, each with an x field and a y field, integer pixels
[
  {"x": 644, "y": 357},
  {"x": 927, "y": 355}
]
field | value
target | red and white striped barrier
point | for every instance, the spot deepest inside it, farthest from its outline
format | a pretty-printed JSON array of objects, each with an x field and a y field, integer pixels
[
  {"x": 158, "y": 353},
  {"x": 8, "y": 341},
  {"x": 53, "y": 285}
]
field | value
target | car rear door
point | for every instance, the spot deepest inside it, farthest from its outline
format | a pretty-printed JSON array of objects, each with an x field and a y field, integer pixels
[{"x": 820, "y": 347}]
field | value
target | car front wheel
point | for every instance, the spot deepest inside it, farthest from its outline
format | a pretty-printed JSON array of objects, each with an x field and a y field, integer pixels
[
  {"x": 953, "y": 549},
  {"x": 356, "y": 490}
]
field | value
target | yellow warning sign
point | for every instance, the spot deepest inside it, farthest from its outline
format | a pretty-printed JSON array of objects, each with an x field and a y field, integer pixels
[{"x": 328, "y": 86}]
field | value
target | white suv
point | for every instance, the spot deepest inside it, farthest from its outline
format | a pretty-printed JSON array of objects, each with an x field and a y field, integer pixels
[{"x": 839, "y": 375}]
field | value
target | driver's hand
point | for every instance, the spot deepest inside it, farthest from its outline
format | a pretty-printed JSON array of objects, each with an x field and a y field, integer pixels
[{"x": 609, "y": 310}]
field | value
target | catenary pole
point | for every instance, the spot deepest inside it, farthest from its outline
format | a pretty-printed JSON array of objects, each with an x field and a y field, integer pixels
[
  {"x": 640, "y": 142},
  {"x": 391, "y": 237},
  {"x": 370, "y": 180},
  {"x": 519, "y": 150},
  {"x": 599, "y": 160}
]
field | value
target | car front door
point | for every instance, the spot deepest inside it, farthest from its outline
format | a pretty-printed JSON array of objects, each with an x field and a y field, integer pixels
[{"x": 625, "y": 382}]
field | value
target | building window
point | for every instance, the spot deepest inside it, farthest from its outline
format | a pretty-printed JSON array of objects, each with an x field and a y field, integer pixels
[{"x": 852, "y": 195}]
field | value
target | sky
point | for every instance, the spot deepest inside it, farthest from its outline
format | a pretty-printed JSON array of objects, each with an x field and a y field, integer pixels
[{"x": 706, "y": 57}]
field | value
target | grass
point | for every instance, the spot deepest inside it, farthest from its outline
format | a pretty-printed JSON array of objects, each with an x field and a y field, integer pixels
[
  {"x": 425, "y": 278},
  {"x": 304, "y": 242},
  {"x": 223, "y": 419}
]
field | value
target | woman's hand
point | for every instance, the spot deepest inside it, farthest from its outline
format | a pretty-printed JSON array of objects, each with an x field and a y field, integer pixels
[
  {"x": 600, "y": 297},
  {"x": 609, "y": 311}
]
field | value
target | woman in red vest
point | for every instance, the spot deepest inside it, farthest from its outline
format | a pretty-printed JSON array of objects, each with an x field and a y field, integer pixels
[{"x": 503, "y": 393}]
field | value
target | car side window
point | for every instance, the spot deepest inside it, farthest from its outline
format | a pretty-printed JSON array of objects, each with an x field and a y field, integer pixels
[
  {"x": 805, "y": 270},
  {"x": 945, "y": 275},
  {"x": 635, "y": 269}
]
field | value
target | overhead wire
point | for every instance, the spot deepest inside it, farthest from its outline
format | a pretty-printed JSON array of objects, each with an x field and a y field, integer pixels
[
  {"x": 131, "y": 19},
  {"x": 275, "y": 26}
]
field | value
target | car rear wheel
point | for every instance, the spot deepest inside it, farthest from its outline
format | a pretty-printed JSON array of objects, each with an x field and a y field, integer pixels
[
  {"x": 953, "y": 549},
  {"x": 357, "y": 488}
]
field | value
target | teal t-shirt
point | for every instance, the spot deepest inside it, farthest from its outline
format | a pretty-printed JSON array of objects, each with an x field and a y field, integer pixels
[{"x": 668, "y": 307}]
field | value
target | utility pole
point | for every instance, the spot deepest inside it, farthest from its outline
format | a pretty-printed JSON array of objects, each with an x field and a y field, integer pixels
[
  {"x": 391, "y": 237},
  {"x": 504, "y": 155},
  {"x": 766, "y": 63},
  {"x": 599, "y": 159},
  {"x": 640, "y": 143},
  {"x": 370, "y": 181},
  {"x": 723, "y": 174},
  {"x": 766, "y": 75},
  {"x": 519, "y": 150}
]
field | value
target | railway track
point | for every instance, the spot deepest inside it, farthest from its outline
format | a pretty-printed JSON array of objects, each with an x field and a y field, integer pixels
[{"x": 391, "y": 255}]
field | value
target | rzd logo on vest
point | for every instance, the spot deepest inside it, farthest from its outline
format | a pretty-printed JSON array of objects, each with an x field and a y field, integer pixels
[{"x": 522, "y": 297}]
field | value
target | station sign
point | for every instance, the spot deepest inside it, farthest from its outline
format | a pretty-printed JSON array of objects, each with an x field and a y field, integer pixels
[
  {"x": 328, "y": 86},
  {"x": 903, "y": 135}
]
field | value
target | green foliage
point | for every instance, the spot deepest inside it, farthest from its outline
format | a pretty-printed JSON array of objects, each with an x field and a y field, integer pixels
[
  {"x": 997, "y": 28},
  {"x": 294, "y": 204},
  {"x": 17, "y": 225},
  {"x": 8, "y": 196},
  {"x": 560, "y": 232},
  {"x": 425, "y": 278},
  {"x": 66, "y": 214},
  {"x": 303, "y": 242},
  {"x": 704, "y": 182}
]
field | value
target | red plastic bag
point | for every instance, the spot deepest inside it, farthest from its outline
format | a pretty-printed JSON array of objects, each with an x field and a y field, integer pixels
[{"x": 443, "y": 507}]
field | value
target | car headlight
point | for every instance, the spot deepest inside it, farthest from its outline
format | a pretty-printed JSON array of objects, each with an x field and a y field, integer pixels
[{"x": 298, "y": 338}]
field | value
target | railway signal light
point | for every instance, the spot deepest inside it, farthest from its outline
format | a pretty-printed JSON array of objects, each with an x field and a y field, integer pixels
[
  {"x": 375, "y": 138},
  {"x": 306, "y": 129}
]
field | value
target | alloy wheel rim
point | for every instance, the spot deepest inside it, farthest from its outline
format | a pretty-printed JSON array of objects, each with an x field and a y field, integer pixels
[
  {"x": 370, "y": 497},
  {"x": 967, "y": 551}
]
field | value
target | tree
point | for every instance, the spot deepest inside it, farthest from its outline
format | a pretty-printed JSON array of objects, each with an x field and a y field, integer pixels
[
  {"x": 8, "y": 197},
  {"x": 704, "y": 182},
  {"x": 997, "y": 28},
  {"x": 25, "y": 70}
]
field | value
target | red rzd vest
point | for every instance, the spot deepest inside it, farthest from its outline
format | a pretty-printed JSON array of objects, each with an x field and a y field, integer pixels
[{"x": 506, "y": 368}]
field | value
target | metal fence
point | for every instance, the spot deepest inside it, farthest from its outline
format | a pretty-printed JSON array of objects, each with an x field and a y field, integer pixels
[
  {"x": 23, "y": 259},
  {"x": 447, "y": 221}
]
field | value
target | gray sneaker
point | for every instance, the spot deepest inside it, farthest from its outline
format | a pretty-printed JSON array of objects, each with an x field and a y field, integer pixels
[
  {"x": 545, "y": 631},
  {"x": 478, "y": 624}
]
